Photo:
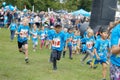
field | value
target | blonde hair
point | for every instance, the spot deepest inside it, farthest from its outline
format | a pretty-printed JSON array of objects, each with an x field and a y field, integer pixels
[{"x": 90, "y": 31}]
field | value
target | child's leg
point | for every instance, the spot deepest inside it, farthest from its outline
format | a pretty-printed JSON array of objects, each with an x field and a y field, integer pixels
[
  {"x": 26, "y": 50},
  {"x": 46, "y": 43},
  {"x": 59, "y": 55},
  {"x": 64, "y": 52},
  {"x": 104, "y": 70},
  {"x": 70, "y": 52},
  {"x": 20, "y": 47},
  {"x": 86, "y": 55},
  {"x": 54, "y": 63},
  {"x": 54, "y": 57},
  {"x": 51, "y": 57},
  {"x": 12, "y": 34},
  {"x": 41, "y": 44}
]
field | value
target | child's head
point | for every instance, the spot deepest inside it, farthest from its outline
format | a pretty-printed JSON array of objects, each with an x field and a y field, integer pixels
[
  {"x": 76, "y": 33},
  {"x": 58, "y": 28},
  {"x": 103, "y": 32},
  {"x": 25, "y": 22},
  {"x": 42, "y": 28},
  {"x": 13, "y": 20},
  {"x": 70, "y": 30},
  {"x": 65, "y": 29},
  {"x": 90, "y": 32},
  {"x": 34, "y": 26}
]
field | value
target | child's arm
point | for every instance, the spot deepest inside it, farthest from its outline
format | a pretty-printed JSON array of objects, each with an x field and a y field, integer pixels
[
  {"x": 95, "y": 52},
  {"x": 16, "y": 33}
]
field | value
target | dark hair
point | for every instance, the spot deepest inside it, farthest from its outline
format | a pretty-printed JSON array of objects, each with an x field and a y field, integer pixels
[
  {"x": 103, "y": 28},
  {"x": 69, "y": 29},
  {"x": 58, "y": 26}
]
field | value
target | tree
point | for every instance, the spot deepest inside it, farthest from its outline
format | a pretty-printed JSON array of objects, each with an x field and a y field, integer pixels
[{"x": 40, "y": 5}]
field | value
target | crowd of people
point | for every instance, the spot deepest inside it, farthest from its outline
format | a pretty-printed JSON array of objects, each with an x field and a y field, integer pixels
[{"x": 61, "y": 32}]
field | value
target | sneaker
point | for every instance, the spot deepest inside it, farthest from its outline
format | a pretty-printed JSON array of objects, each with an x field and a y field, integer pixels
[
  {"x": 88, "y": 62},
  {"x": 26, "y": 60},
  {"x": 94, "y": 67},
  {"x": 55, "y": 68},
  {"x": 70, "y": 58},
  {"x": 22, "y": 52}
]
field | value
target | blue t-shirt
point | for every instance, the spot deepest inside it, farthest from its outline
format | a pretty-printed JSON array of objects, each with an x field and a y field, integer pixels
[
  {"x": 34, "y": 35},
  {"x": 50, "y": 33},
  {"x": 42, "y": 35},
  {"x": 5, "y": 19},
  {"x": 89, "y": 42},
  {"x": 58, "y": 41},
  {"x": 23, "y": 33},
  {"x": 102, "y": 48},
  {"x": 75, "y": 40},
  {"x": 70, "y": 36},
  {"x": 115, "y": 37},
  {"x": 13, "y": 26}
]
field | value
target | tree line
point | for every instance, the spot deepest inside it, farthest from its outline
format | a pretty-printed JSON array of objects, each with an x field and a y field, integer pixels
[{"x": 43, "y": 5}]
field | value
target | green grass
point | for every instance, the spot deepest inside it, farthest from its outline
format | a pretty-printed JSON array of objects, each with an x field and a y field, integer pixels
[{"x": 13, "y": 67}]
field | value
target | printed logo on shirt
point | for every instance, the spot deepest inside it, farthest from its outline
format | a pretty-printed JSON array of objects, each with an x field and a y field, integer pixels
[
  {"x": 74, "y": 41},
  {"x": 43, "y": 36},
  {"x": 34, "y": 35},
  {"x": 89, "y": 44},
  {"x": 56, "y": 42},
  {"x": 23, "y": 33}
]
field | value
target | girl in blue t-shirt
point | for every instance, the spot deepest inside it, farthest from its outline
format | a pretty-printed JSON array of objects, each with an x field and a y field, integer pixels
[
  {"x": 12, "y": 27},
  {"x": 34, "y": 33},
  {"x": 89, "y": 41},
  {"x": 75, "y": 42},
  {"x": 42, "y": 35}
]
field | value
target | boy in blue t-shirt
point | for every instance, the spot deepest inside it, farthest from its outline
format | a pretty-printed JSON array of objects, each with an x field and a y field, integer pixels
[
  {"x": 23, "y": 33},
  {"x": 69, "y": 35},
  {"x": 58, "y": 41},
  {"x": 101, "y": 49}
]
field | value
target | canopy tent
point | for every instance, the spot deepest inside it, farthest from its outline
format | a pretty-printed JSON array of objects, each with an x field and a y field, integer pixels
[
  {"x": 61, "y": 11},
  {"x": 81, "y": 12}
]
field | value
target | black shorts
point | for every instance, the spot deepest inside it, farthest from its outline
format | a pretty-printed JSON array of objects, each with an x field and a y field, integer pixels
[
  {"x": 23, "y": 43},
  {"x": 56, "y": 54}
]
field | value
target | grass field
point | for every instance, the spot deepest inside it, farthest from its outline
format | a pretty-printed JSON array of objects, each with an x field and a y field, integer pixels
[{"x": 13, "y": 66}]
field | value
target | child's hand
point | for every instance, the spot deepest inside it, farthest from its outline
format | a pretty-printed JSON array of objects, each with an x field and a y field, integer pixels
[
  {"x": 98, "y": 58},
  {"x": 65, "y": 49}
]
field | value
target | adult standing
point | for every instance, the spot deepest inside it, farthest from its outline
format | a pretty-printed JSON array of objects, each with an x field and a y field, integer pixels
[{"x": 115, "y": 57}]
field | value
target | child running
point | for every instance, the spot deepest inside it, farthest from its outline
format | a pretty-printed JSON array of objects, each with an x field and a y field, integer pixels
[
  {"x": 89, "y": 41},
  {"x": 34, "y": 33},
  {"x": 101, "y": 49},
  {"x": 42, "y": 35},
  {"x": 13, "y": 28},
  {"x": 23, "y": 33},
  {"x": 58, "y": 41}
]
